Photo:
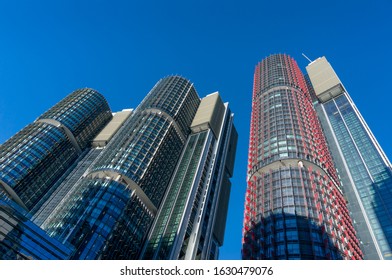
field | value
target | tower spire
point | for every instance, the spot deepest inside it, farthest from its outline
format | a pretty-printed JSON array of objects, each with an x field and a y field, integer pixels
[{"x": 307, "y": 58}]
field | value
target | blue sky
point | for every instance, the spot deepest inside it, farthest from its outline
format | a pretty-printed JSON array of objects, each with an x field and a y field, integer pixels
[{"x": 122, "y": 48}]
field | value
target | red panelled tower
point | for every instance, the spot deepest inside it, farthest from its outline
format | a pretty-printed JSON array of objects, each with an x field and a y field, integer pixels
[{"x": 294, "y": 207}]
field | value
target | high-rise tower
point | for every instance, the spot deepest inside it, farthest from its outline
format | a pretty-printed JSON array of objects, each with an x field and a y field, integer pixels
[
  {"x": 191, "y": 220},
  {"x": 120, "y": 194},
  {"x": 294, "y": 206},
  {"x": 106, "y": 175},
  {"x": 364, "y": 169},
  {"x": 33, "y": 160}
]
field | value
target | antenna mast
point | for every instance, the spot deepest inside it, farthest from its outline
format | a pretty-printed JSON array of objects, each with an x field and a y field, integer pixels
[{"x": 306, "y": 57}]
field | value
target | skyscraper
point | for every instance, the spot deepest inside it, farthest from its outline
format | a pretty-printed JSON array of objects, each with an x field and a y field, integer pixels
[
  {"x": 191, "y": 220},
  {"x": 34, "y": 162},
  {"x": 364, "y": 169},
  {"x": 103, "y": 202},
  {"x": 294, "y": 205},
  {"x": 38, "y": 155},
  {"x": 120, "y": 194}
]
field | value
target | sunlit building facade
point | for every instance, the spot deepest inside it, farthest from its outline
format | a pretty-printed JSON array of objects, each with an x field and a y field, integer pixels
[
  {"x": 120, "y": 194},
  {"x": 294, "y": 205},
  {"x": 192, "y": 217},
  {"x": 33, "y": 160},
  {"x": 364, "y": 169},
  {"x": 106, "y": 175}
]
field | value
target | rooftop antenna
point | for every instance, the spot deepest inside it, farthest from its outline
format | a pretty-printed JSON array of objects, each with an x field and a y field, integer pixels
[{"x": 306, "y": 57}]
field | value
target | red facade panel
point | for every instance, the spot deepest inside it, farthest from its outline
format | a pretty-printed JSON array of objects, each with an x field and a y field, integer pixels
[{"x": 292, "y": 183}]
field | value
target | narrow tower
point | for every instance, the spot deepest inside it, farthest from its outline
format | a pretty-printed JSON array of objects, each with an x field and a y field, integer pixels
[
  {"x": 191, "y": 221},
  {"x": 364, "y": 169},
  {"x": 294, "y": 207}
]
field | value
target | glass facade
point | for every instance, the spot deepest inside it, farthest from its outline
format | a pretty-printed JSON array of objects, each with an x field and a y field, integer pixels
[
  {"x": 364, "y": 169},
  {"x": 103, "y": 220},
  {"x": 33, "y": 160},
  {"x": 168, "y": 221},
  {"x": 109, "y": 215},
  {"x": 147, "y": 148},
  {"x": 294, "y": 207},
  {"x": 195, "y": 205},
  {"x": 84, "y": 113},
  {"x": 64, "y": 197},
  {"x": 368, "y": 170},
  {"x": 21, "y": 239},
  {"x": 65, "y": 186},
  {"x": 37, "y": 156}
]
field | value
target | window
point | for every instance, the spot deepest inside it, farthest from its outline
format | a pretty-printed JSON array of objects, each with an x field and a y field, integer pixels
[
  {"x": 291, "y": 235},
  {"x": 293, "y": 248},
  {"x": 281, "y": 250}
]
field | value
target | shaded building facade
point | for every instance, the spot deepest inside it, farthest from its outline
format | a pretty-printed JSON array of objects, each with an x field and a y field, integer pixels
[
  {"x": 22, "y": 239},
  {"x": 364, "y": 169},
  {"x": 294, "y": 205}
]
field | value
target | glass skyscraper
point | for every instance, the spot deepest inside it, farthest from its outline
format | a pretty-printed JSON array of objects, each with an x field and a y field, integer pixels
[
  {"x": 191, "y": 220},
  {"x": 364, "y": 169},
  {"x": 107, "y": 173},
  {"x": 37, "y": 156},
  {"x": 294, "y": 205},
  {"x": 33, "y": 163}
]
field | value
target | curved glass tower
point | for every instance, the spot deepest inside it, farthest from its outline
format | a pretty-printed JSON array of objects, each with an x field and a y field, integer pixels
[
  {"x": 82, "y": 114},
  {"x": 294, "y": 207},
  {"x": 109, "y": 215},
  {"x": 84, "y": 183},
  {"x": 37, "y": 156}
]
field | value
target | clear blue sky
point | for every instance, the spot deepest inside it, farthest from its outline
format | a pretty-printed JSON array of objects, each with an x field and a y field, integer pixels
[{"x": 122, "y": 48}]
